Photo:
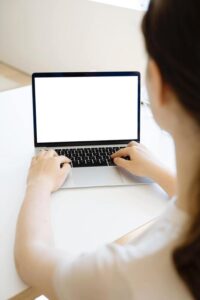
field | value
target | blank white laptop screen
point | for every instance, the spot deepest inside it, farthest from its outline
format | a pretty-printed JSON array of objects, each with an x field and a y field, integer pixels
[{"x": 101, "y": 108}]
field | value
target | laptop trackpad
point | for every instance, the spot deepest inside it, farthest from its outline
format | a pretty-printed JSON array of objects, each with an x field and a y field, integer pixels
[{"x": 93, "y": 176}]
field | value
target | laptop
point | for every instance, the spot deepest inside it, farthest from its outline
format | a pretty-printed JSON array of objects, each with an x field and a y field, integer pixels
[{"x": 87, "y": 116}]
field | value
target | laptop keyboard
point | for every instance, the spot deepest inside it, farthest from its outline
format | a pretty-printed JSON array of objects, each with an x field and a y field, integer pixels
[{"x": 90, "y": 157}]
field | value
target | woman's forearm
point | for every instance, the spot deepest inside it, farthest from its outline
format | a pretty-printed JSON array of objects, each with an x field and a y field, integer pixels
[
  {"x": 35, "y": 254},
  {"x": 34, "y": 224},
  {"x": 33, "y": 228}
]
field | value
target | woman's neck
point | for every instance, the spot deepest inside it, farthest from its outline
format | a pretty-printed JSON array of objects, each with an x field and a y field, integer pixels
[{"x": 188, "y": 162}]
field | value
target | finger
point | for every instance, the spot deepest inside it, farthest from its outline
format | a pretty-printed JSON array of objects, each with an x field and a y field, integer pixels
[
  {"x": 63, "y": 159},
  {"x": 121, "y": 152},
  {"x": 50, "y": 153},
  {"x": 122, "y": 162},
  {"x": 65, "y": 169},
  {"x": 64, "y": 172},
  {"x": 133, "y": 143},
  {"x": 33, "y": 160},
  {"x": 41, "y": 153}
]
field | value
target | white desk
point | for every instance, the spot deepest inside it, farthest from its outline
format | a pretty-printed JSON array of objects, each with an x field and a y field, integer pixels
[{"x": 83, "y": 219}]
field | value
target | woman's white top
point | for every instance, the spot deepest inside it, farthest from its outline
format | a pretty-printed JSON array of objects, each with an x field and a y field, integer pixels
[{"x": 140, "y": 270}]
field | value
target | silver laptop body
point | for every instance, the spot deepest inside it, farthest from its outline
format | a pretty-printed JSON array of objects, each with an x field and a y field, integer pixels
[{"x": 85, "y": 113}]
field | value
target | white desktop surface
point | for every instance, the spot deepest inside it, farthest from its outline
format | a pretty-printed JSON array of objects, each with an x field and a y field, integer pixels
[{"x": 83, "y": 219}]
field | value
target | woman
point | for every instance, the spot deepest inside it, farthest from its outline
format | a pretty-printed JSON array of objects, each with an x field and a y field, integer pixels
[{"x": 163, "y": 263}]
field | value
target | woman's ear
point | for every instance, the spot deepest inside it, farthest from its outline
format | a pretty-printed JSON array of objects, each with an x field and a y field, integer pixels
[
  {"x": 163, "y": 100},
  {"x": 154, "y": 83}
]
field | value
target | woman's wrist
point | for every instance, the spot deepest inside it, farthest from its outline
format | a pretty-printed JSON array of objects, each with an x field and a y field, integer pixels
[
  {"x": 41, "y": 184},
  {"x": 165, "y": 178}
]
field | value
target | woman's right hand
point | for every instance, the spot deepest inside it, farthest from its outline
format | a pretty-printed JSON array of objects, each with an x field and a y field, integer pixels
[{"x": 142, "y": 162}]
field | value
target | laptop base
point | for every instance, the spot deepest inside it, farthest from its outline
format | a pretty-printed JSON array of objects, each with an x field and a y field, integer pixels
[{"x": 101, "y": 176}]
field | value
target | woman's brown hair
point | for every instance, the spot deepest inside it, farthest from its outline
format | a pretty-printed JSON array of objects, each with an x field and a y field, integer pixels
[{"x": 172, "y": 34}]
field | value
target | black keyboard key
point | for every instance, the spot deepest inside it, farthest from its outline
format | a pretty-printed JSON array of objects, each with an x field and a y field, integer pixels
[
  {"x": 57, "y": 151},
  {"x": 110, "y": 162},
  {"x": 127, "y": 157},
  {"x": 101, "y": 163}
]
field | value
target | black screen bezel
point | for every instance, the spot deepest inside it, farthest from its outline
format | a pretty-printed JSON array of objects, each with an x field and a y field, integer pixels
[{"x": 83, "y": 74}]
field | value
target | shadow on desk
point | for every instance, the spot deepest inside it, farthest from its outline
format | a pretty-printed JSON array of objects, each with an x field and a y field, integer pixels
[{"x": 29, "y": 294}]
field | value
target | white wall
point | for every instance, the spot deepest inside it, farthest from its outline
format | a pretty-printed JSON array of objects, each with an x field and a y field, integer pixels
[{"x": 69, "y": 35}]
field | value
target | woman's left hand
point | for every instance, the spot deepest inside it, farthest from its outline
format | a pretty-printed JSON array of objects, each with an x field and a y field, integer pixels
[{"x": 48, "y": 169}]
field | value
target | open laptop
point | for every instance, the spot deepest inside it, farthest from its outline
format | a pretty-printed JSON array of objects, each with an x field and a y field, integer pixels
[{"x": 87, "y": 117}]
